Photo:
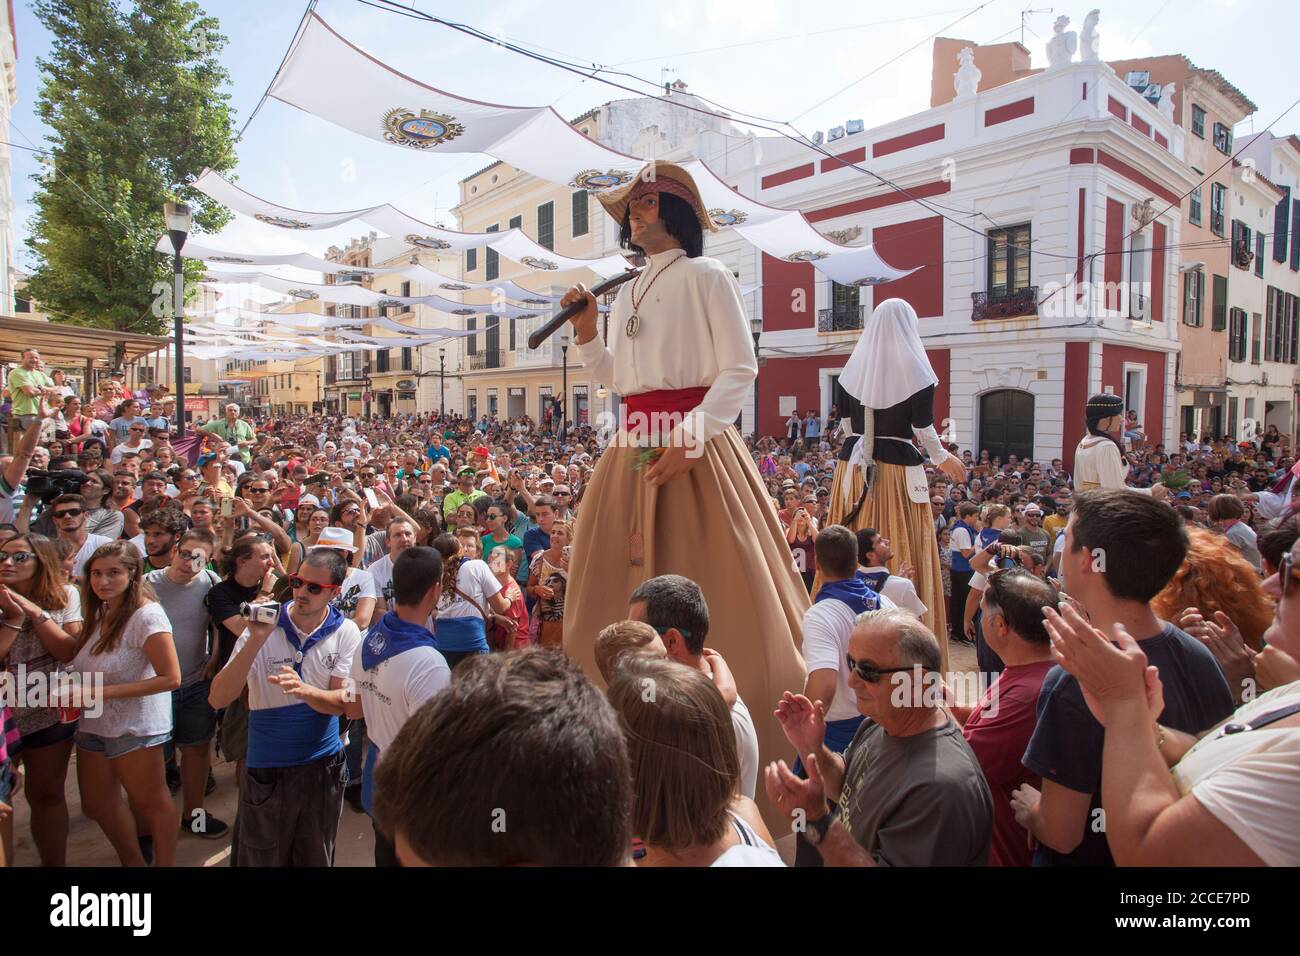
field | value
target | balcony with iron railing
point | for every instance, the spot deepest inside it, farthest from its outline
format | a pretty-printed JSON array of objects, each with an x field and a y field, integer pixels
[
  {"x": 486, "y": 359},
  {"x": 841, "y": 319},
  {"x": 1022, "y": 303}
]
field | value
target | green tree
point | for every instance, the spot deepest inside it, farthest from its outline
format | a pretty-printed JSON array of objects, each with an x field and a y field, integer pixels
[{"x": 135, "y": 100}]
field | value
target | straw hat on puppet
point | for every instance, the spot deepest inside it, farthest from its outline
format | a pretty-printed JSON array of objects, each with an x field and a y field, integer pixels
[{"x": 657, "y": 177}]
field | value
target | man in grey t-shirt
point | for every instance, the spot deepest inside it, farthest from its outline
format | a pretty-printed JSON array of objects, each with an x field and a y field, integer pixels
[
  {"x": 908, "y": 791},
  {"x": 182, "y": 589}
]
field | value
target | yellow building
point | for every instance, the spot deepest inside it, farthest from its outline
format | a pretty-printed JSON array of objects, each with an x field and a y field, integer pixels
[
  {"x": 400, "y": 380},
  {"x": 502, "y": 377}
]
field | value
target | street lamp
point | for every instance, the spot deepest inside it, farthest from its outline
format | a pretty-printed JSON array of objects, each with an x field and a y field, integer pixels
[
  {"x": 756, "y": 329},
  {"x": 564, "y": 388},
  {"x": 442, "y": 383},
  {"x": 179, "y": 218}
]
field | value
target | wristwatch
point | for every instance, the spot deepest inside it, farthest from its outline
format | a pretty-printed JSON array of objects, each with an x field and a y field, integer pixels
[
  {"x": 820, "y": 826},
  {"x": 40, "y": 619}
]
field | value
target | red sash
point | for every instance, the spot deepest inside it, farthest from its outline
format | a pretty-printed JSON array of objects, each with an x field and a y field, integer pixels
[{"x": 665, "y": 401}]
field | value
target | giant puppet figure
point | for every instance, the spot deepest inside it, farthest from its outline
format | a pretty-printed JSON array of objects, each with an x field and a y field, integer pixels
[
  {"x": 880, "y": 480},
  {"x": 681, "y": 356}
]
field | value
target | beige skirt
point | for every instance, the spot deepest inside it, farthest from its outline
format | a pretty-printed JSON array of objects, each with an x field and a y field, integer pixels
[
  {"x": 717, "y": 526},
  {"x": 908, "y": 525}
]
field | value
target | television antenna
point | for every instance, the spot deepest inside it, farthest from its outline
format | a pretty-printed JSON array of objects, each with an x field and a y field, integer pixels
[{"x": 1024, "y": 15}]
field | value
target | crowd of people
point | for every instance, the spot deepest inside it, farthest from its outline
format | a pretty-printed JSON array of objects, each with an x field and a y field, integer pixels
[{"x": 371, "y": 612}]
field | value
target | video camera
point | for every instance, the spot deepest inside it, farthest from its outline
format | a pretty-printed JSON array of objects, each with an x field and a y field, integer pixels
[{"x": 48, "y": 485}]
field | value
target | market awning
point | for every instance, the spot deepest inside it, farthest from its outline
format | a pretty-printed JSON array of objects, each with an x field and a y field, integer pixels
[{"x": 62, "y": 344}]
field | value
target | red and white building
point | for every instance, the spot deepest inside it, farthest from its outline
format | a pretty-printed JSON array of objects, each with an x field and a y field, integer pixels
[{"x": 1044, "y": 245}]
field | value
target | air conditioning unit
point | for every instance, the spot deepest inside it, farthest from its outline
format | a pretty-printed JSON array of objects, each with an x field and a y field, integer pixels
[
  {"x": 818, "y": 138},
  {"x": 349, "y": 278},
  {"x": 835, "y": 133},
  {"x": 853, "y": 126}
]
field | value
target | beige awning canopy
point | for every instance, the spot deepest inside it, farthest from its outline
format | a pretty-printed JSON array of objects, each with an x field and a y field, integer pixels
[{"x": 73, "y": 345}]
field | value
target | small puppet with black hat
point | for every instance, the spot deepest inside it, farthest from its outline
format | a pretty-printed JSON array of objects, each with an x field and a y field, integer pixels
[{"x": 1098, "y": 460}]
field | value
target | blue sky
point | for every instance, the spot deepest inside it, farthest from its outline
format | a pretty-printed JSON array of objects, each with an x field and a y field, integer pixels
[{"x": 719, "y": 48}]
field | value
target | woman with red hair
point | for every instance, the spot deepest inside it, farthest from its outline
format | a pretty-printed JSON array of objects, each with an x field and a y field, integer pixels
[{"x": 1217, "y": 597}]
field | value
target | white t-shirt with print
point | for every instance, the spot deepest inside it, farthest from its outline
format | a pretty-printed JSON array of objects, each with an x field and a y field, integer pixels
[
  {"x": 357, "y": 585},
  {"x": 127, "y": 664},
  {"x": 382, "y": 573},
  {"x": 396, "y": 689},
  {"x": 330, "y": 657}
]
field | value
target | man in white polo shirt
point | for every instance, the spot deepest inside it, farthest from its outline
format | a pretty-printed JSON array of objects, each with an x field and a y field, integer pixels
[
  {"x": 291, "y": 795},
  {"x": 398, "y": 667}
]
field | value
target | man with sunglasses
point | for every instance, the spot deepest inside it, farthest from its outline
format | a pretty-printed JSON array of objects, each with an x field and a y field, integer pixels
[
  {"x": 563, "y": 503},
  {"x": 69, "y": 513},
  {"x": 465, "y": 492},
  {"x": 295, "y": 670},
  {"x": 136, "y": 441},
  {"x": 182, "y": 589},
  {"x": 908, "y": 790}
]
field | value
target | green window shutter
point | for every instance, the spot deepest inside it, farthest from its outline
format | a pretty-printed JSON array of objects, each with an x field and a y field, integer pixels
[{"x": 1219, "y": 317}]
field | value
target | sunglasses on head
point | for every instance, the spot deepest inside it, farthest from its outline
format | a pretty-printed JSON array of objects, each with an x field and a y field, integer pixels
[
  {"x": 17, "y": 557},
  {"x": 871, "y": 674}
]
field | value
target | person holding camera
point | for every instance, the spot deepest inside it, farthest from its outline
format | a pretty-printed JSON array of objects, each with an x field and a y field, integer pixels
[{"x": 294, "y": 660}]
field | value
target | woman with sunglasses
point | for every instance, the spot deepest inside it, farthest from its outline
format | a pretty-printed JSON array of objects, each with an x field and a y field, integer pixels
[
  {"x": 35, "y": 595},
  {"x": 318, "y": 521},
  {"x": 350, "y": 513},
  {"x": 128, "y": 640}
]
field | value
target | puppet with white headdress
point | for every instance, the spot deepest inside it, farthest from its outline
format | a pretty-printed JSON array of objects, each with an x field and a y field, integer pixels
[{"x": 880, "y": 481}]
